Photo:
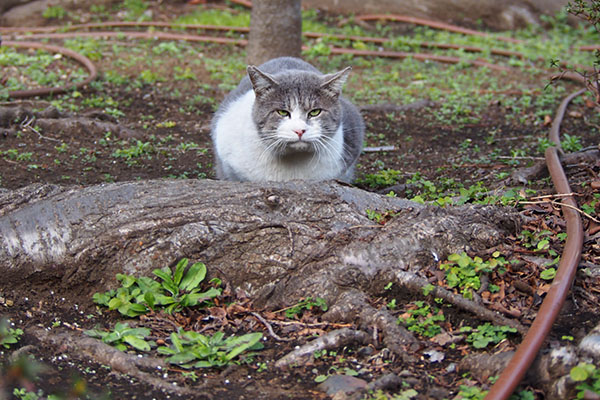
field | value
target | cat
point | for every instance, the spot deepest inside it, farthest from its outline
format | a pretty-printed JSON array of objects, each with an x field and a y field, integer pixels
[{"x": 286, "y": 120}]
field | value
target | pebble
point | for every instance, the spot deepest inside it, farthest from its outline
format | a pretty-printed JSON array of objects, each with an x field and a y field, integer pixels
[{"x": 341, "y": 383}]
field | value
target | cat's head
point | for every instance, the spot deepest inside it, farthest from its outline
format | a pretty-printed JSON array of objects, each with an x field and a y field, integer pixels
[{"x": 297, "y": 112}]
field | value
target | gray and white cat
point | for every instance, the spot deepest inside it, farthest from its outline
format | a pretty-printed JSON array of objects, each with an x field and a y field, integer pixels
[{"x": 286, "y": 120}]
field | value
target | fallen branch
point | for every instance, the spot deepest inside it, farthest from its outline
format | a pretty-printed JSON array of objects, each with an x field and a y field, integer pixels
[
  {"x": 270, "y": 328},
  {"x": 415, "y": 284},
  {"x": 332, "y": 340}
]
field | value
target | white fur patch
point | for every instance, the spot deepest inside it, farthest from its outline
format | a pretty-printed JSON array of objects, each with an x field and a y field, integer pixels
[{"x": 241, "y": 150}]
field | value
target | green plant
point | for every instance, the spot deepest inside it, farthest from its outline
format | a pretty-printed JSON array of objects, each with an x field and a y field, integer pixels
[
  {"x": 486, "y": 334},
  {"x": 423, "y": 319},
  {"x": 176, "y": 290},
  {"x": 548, "y": 274},
  {"x": 378, "y": 217},
  {"x": 135, "y": 10},
  {"x": 24, "y": 394},
  {"x": 383, "y": 178},
  {"x": 122, "y": 335},
  {"x": 588, "y": 376},
  {"x": 464, "y": 272},
  {"x": 571, "y": 143},
  {"x": 54, "y": 12},
  {"x": 305, "y": 304},
  {"x": 130, "y": 153},
  {"x": 8, "y": 335},
  {"x": 193, "y": 350},
  {"x": 14, "y": 154},
  {"x": 471, "y": 393}
]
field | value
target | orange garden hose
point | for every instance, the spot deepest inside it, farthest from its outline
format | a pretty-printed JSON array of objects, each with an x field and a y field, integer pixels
[
  {"x": 45, "y": 91},
  {"x": 569, "y": 260},
  {"x": 527, "y": 351}
]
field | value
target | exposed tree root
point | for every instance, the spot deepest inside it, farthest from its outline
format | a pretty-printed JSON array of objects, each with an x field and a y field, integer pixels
[
  {"x": 99, "y": 352},
  {"x": 549, "y": 371},
  {"x": 331, "y": 340},
  {"x": 540, "y": 170},
  {"x": 52, "y": 123},
  {"x": 353, "y": 305},
  {"x": 275, "y": 242}
]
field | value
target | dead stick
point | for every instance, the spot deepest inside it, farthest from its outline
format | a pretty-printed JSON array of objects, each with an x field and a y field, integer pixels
[
  {"x": 416, "y": 284},
  {"x": 331, "y": 340}
]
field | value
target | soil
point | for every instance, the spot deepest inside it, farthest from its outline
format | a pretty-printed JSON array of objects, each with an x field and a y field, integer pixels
[{"x": 79, "y": 155}]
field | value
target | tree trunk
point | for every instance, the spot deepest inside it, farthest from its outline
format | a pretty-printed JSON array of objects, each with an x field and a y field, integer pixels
[
  {"x": 278, "y": 242},
  {"x": 275, "y": 30}
]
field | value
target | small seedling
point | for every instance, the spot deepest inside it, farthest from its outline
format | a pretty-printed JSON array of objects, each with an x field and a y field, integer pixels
[
  {"x": 423, "y": 319},
  {"x": 383, "y": 178},
  {"x": 132, "y": 153},
  {"x": 486, "y": 334},
  {"x": 464, "y": 272},
  {"x": 8, "y": 335},
  {"x": 305, "y": 304}
]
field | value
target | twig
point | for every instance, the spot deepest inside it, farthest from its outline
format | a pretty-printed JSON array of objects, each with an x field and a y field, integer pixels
[
  {"x": 415, "y": 284},
  {"x": 556, "y": 203},
  {"x": 556, "y": 196},
  {"x": 270, "y": 328},
  {"x": 309, "y": 325},
  {"x": 27, "y": 124},
  {"x": 378, "y": 149},
  {"x": 365, "y": 226},
  {"x": 520, "y": 158},
  {"x": 577, "y": 209}
]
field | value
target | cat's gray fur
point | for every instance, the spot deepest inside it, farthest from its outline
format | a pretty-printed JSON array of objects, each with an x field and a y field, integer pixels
[{"x": 254, "y": 142}]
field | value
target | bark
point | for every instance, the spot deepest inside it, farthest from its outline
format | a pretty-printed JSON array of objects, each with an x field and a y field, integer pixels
[
  {"x": 275, "y": 30},
  {"x": 278, "y": 242}
]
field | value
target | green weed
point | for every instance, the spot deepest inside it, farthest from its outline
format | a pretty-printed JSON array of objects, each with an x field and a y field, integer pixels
[
  {"x": 122, "y": 336},
  {"x": 9, "y": 335},
  {"x": 54, "y": 12},
  {"x": 193, "y": 350},
  {"x": 177, "y": 289},
  {"x": 486, "y": 334},
  {"x": 131, "y": 153},
  {"x": 571, "y": 143},
  {"x": 464, "y": 273},
  {"x": 306, "y": 304},
  {"x": 423, "y": 319},
  {"x": 135, "y": 10},
  {"x": 213, "y": 16},
  {"x": 476, "y": 393},
  {"x": 588, "y": 376},
  {"x": 380, "y": 179}
]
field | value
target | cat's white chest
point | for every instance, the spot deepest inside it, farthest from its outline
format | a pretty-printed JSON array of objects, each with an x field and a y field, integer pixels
[{"x": 244, "y": 156}]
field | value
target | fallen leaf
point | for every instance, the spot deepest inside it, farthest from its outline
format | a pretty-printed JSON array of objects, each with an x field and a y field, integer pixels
[{"x": 575, "y": 114}]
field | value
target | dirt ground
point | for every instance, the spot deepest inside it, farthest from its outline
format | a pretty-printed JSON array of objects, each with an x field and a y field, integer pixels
[{"x": 163, "y": 136}]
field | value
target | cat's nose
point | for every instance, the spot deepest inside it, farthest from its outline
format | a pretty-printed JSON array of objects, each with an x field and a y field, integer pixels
[{"x": 299, "y": 132}]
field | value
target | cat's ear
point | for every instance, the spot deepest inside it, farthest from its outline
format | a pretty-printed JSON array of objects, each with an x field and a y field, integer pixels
[
  {"x": 333, "y": 83},
  {"x": 261, "y": 82}
]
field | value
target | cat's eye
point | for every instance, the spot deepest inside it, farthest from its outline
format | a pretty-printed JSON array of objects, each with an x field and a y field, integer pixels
[
  {"x": 314, "y": 112},
  {"x": 283, "y": 113}
]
